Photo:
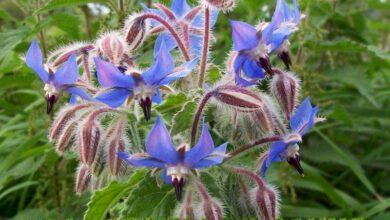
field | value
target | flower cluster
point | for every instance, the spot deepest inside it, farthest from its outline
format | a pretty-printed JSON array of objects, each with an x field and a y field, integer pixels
[{"x": 100, "y": 122}]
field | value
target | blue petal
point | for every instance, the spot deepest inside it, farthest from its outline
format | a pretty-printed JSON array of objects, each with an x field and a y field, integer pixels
[
  {"x": 198, "y": 21},
  {"x": 180, "y": 7},
  {"x": 162, "y": 66},
  {"x": 276, "y": 148},
  {"x": 114, "y": 97},
  {"x": 244, "y": 36},
  {"x": 153, "y": 22},
  {"x": 297, "y": 14},
  {"x": 75, "y": 90},
  {"x": 110, "y": 76},
  {"x": 310, "y": 123},
  {"x": 238, "y": 62},
  {"x": 301, "y": 115},
  {"x": 157, "y": 97},
  {"x": 181, "y": 71},
  {"x": 34, "y": 60},
  {"x": 147, "y": 162},
  {"x": 252, "y": 69},
  {"x": 279, "y": 36},
  {"x": 170, "y": 43},
  {"x": 167, "y": 179},
  {"x": 196, "y": 45},
  {"x": 212, "y": 160},
  {"x": 68, "y": 73},
  {"x": 159, "y": 144},
  {"x": 264, "y": 169},
  {"x": 73, "y": 100},
  {"x": 202, "y": 149}
]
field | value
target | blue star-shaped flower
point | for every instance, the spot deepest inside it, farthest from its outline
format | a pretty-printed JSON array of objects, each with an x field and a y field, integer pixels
[
  {"x": 186, "y": 19},
  {"x": 56, "y": 83},
  {"x": 301, "y": 122},
  {"x": 176, "y": 164},
  {"x": 144, "y": 87}
]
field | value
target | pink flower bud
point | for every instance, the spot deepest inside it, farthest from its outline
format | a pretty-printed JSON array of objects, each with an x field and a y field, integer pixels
[
  {"x": 62, "y": 54},
  {"x": 135, "y": 31},
  {"x": 237, "y": 98},
  {"x": 83, "y": 179},
  {"x": 264, "y": 197},
  {"x": 90, "y": 134},
  {"x": 67, "y": 139},
  {"x": 285, "y": 87},
  {"x": 64, "y": 118},
  {"x": 112, "y": 46},
  {"x": 211, "y": 207},
  {"x": 115, "y": 141},
  {"x": 223, "y": 5},
  {"x": 185, "y": 210}
]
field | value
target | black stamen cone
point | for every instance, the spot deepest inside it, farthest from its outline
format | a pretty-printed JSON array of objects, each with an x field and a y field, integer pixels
[
  {"x": 266, "y": 65},
  {"x": 50, "y": 101},
  {"x": 178, "y": 184},
  {"x": 146, "y": 105},
  {"x": 295, "y": 162},
  {"x": 285, "y": 57}
]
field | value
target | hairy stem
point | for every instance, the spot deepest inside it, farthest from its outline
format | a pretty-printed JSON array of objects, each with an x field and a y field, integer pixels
[
  {"x": 180, "y": 44},
  {"x": 198, "y": 113},
  {"x": 246, "y": 147},
  {"x": 206, "y": 38}
]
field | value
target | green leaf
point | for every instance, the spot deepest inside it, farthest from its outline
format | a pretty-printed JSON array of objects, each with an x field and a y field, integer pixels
[
  {"x": 352, "y": 163},
  {"x": 380, "y": 207},
  {"x": 9, "y": 39},
  {"x": 105, "y": 199},
  {"x": 148, "y": 200},
  {"x": 183, "y": 119},
  {"x": 17, "y": 187},
  {"x": 54, "y": 4},
  {"x": 172, "y": 104}
]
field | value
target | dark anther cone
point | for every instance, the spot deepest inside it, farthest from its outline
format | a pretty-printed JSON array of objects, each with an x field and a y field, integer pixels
[
  {"x": 178, "y": 184},
  {"x": 295, "y": 162},
  {"x": 266, "y": 65},
  {"x": 146, "y": 105},
  {"x": 50, "y": 101},
  {"x": 285, "y": 57}
]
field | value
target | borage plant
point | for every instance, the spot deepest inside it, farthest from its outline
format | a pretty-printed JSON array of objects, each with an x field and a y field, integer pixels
[{"x": 102, "y": 124}]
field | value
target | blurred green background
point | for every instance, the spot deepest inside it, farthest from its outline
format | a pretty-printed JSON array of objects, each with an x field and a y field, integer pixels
[{"x": 340, "y": 53}]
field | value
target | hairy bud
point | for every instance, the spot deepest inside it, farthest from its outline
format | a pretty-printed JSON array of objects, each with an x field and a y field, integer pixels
[
  {"x": 211, "y": 207},
  {"x": 112, "y": 46},
  {"x": 185, "y": 210},
  {"x": 67, "y": 139},
  {"x": 90, "y": 134},
  {"x": 237, "y": 98},
  {"x": 83, "y": 178},
  {"x": 285, "y": 87},
  {"x": 223, "y": 5},
  {"x": 264, "y": 197},
  {"x": 64, "y": 118},
  {"x": 135, "y": 31},
  {"x": 62, "y": 54}
]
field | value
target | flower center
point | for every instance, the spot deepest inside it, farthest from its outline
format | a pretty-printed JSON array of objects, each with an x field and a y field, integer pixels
[
  {"x": 178, "y": 175},
  {"x": 50, "y": 89}
]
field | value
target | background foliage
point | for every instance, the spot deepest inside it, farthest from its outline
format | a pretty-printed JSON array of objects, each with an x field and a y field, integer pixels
[{"x": 340, "y": 52}]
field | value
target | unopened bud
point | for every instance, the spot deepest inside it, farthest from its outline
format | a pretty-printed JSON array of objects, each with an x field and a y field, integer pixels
[
  {"x": 67, "y": 139},
  {"x": 285, "y": 87},
  {"x": 237, "y": 98},
  {"x": 112, "y": 46},
  {"x": 83, "y": 178},
  {"x": 264, "y": 197},
  {"x": 62, "y": 54},
  {"x": 64, "y": 118},
  {"x": 89, "y": 138},
  {"x": 115, "y": 141},
  {"x": 223, "y": 5},
  {"x": 185, "y": 210},
  {"x": 212, "y": 209},
  {"x": 265, "y": 201},
  {"x": 135, "y": 31}
]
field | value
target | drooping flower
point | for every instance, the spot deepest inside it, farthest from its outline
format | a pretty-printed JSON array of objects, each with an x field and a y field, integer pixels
[
  {"x": 284, "y": 22},
  {"x": 188, "y": 21},
  {"x": 287, "y": 149},
  {"x": 144, "y": 87},
  {"x": 176, "y": 163},
  {"x": 254, "y": 45},
  {"x": 64, "y": 79}
]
